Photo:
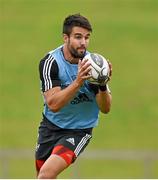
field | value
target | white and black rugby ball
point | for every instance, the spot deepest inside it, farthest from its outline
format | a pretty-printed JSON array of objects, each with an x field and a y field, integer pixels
[{"x": 99, "y": 68}]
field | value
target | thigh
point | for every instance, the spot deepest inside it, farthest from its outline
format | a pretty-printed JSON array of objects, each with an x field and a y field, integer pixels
[
  {"x": 76, "y": 142},
  {"x": 52, "y": 167}
]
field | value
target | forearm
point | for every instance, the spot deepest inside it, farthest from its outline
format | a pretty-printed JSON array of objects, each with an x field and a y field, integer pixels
[
  {"x": 58, "y": 99},
  {"x": 104, "y": 99}
]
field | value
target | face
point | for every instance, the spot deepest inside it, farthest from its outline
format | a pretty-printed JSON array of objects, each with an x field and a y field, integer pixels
[{"x": 77, "y": 42}]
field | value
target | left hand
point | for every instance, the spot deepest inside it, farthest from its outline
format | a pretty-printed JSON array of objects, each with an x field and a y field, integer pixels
[
  {"x": 110, "y": 74},
  {"x": 110, "y": 66}
]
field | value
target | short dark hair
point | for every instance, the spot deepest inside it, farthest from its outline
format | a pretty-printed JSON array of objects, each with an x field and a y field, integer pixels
[{"x": 75, "y": 20}]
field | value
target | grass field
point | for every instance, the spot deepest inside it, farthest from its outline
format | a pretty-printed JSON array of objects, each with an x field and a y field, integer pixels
[{"x": 126, "y": 32}]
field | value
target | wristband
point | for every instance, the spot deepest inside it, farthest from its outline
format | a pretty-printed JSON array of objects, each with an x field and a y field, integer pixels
[{"x": 103, "y": 88}]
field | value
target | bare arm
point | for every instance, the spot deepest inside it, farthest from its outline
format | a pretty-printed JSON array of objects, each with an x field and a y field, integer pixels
[
  {"x": 56, "y": 98},
  {"x": 104, "y": 100},
  {"x": 104, "y": 97}
]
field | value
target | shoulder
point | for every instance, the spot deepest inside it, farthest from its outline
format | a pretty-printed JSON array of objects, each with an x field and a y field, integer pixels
[
  {"x": 56, "y": 52},
  {"x": 47, "y": 62},
  {"x": 48, "y": 71}
]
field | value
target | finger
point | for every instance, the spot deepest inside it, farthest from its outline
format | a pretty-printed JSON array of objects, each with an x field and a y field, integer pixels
[
  {"x": 87, "y": 71},
  {"x": 84, "y": 61},
  {"x": 110, "y": 74},
  {"x": 109, "y": 78},
  {"x": 85, "y": 66},
  {"x": 110, "y": 67},
  {"x": 86, "y": 77},
  {"x": 79, "y": 63}
]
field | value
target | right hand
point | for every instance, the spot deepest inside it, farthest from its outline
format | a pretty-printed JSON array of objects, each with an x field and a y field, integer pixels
[{"x": 83, "y": 71}]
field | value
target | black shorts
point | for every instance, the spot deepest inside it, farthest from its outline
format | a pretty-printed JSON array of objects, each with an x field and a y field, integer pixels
[{"x": 51, "y": 135}]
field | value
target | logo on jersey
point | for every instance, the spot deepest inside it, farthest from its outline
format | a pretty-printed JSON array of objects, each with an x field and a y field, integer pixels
[
  {"x": 82, "y": 97},
  {"x": 71, "y": 140},
  {"x": 37, "y": 147}
]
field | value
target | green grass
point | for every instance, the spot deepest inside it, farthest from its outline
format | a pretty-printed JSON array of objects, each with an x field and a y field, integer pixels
[
  {"x": 105, "y": 168},
  {"x": 126, "y": 32}
]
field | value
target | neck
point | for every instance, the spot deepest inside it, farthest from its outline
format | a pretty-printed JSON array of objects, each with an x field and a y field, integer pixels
[{"x": 68, "y": 56}]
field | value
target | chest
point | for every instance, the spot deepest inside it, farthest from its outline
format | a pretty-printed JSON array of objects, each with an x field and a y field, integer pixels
[{"x": 67, "y": 73}]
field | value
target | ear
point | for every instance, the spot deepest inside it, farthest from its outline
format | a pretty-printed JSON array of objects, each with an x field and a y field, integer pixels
[{"x": 65, "y": 38}]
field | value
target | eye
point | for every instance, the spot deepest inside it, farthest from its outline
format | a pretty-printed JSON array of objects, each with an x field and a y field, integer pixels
[
  {"x": 87, "y": 38},
  {"x": 78, "y": 37}
]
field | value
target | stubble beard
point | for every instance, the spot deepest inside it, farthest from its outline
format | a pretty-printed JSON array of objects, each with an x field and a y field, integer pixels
[{"x": 75, "y": 54}]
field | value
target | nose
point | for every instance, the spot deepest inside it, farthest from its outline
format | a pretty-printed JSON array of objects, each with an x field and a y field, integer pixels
[{"x": 83, "y": 41}]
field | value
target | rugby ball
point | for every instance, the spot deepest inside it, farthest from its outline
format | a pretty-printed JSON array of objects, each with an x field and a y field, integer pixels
[{"x": 99, "y": 68}]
